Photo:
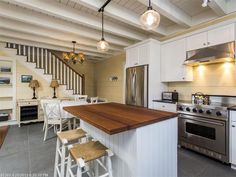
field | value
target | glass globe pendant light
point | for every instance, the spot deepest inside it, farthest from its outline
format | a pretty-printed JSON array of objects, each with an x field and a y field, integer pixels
[
  {"x": 150, "y": 19},
  {"x": 102, "y": 45}
]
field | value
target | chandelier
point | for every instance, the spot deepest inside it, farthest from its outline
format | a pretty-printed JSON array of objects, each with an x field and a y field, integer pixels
[{"x": 72, "y": 57}]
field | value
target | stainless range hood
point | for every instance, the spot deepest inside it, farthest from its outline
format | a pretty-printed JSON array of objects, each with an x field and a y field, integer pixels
[{"x": 214, "y": 54}]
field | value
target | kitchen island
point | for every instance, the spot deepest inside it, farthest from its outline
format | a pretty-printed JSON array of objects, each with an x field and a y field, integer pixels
[{"x": 144, "y": 141}]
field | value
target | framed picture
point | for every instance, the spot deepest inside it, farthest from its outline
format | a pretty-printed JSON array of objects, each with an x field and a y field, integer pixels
[
  {"x": 5, "y": 69},
  {"x": 5, "y": 80},
  {"x": 26, "y": 78}
]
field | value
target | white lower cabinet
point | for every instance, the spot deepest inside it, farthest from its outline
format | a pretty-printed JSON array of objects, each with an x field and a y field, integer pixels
[
  {"x": 232, "y": 128},
  {"x": 170, "y": 107}
]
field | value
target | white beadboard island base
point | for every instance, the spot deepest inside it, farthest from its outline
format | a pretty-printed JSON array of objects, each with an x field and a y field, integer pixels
[{"x": 148, "y": 151}]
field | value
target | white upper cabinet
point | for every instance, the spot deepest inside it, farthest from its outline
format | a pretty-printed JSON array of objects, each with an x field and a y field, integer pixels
[
  {"x": 132, "y": 57},
  {"x": 210, "y": 38},
  {"x": 197, "y": 41},
  {"x": 138, "y": 55},
  {"x": 221, "y": 35},
  {"x": 144, "y": 54},
  {"x": 173, "y": 55}
]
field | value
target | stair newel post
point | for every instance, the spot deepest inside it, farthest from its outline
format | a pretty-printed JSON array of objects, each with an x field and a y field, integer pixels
[{"x": 83, "y": 84}]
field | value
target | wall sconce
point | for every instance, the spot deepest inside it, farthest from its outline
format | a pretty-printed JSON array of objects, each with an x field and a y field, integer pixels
[{"x": 113, "y": 78}]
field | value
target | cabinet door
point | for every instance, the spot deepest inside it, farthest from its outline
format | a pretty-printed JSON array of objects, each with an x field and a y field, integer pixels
[
  {"x": 197, "y": 41},
  {"x": 173, "y": 55},
  {"x": 221, "y": 35},
  {"x": 164, "y": 106},
  {"x": 144, "y": 54},
  {"x": 132, "y": 57},
  {"x": 233, "y": 143}
]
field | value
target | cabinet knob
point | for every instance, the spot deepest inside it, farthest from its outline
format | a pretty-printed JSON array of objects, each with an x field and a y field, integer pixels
[
  {"x": 183, "y": 78},
  {"x": 233, "y": 126},
  {"x": 135, "y": 63},
  {"x": 208, "y": 43},
  {"x": 204, "y": 43}
]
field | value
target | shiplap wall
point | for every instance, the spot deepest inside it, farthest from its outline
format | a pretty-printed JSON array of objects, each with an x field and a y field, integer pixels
[{"x": 149, "y": 151}]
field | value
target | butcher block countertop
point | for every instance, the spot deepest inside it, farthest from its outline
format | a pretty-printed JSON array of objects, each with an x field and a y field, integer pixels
[{"x": 114, "y": 118}]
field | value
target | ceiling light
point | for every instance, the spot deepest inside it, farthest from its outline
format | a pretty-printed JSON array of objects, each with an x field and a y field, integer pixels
[
  {"x": 72, "y": 57},
  {"x": 150, "y": 19},
  {"x": 205, "y": 3},
  {"x": 102, "y": 45}
]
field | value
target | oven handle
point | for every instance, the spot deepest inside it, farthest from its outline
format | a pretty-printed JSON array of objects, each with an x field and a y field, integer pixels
[{"x": 201, "y": 120}]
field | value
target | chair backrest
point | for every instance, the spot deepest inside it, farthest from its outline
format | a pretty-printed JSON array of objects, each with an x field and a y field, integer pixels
[
  {"x": 70, "y": 103},
  {"x": 52, "y": 110},
  {"x": 93, "y": 100},
  {"x": 81, "y": 97},
  {"x": 44, "y": 101}
]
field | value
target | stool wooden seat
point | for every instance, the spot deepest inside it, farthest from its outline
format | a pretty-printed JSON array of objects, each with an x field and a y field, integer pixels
[
  {"x": 64, "y": 139},
  {"x": 83, "y": 155},
  {"x": 88, "y": 151},
  {"x": 71, "y": 135}
]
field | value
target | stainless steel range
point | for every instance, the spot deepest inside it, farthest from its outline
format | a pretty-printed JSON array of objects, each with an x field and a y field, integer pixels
[{"x": 203, "y": 125}]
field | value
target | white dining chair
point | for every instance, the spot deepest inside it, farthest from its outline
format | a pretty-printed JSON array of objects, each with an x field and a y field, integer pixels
[
  {"x": 42, "y": 102},
  {"x": 81, "y": 97},
  {"x": 66, "y": 114},
  {"x": 93, "y": 100},
  {"x": 53, "y": 117}
]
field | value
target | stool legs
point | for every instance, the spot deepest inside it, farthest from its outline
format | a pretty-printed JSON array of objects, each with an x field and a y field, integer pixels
[
  {"x": 109, "y": 166},
  {"x": 68, "y": 166},
  {"x": 63, "y": 156},
  {"x": 57, "y": 158}
]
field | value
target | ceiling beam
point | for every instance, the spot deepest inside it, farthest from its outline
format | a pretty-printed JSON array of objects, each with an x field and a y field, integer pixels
[
  {"x": 170, "y": 11},
  {"x": 77, "y": 16},
  {"x": 42, "y": 20},
  {"x": 42, "y": 40},
  {"x": 118, "y": 13},
  {"x": 51, "y": 34},
  {"x": 218, "y": 6}
]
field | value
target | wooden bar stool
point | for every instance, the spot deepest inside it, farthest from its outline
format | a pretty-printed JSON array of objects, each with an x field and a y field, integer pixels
[
  {"x": 63, "y": 140},
  {"x": 86, "y": 158}
]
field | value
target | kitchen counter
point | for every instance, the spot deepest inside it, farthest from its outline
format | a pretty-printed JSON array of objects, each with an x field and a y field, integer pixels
[
  {"x": 232, "y": 108},
  {"x": 114, "y": 118},
  {"x": 165, "y": 101},
  {"x": 144, "y": 141}
]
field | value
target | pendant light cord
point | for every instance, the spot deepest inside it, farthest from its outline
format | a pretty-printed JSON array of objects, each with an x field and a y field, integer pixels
[
  {"x": 73, "y": 47},
  {"x": 102, "y": 10},
  {"x": 150, "y": 3}
]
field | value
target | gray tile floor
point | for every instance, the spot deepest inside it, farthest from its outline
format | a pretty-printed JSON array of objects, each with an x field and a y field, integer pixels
[{"x": 24, "y": 152}]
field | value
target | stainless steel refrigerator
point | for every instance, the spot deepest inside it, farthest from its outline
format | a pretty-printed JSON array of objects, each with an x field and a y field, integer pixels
[{"x": 137, "y": 86}]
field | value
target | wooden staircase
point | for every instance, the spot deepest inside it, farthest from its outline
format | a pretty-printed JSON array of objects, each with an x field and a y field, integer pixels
[{"x": 53, "y": 65}]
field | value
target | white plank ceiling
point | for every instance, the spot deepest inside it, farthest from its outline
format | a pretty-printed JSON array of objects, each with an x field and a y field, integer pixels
[{"x": 55, "y": 23}]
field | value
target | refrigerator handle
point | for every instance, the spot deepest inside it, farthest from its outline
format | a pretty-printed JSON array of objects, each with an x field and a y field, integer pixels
[
  {"x": 132, "y": 88},
  {"x": 135, "y": 86}
]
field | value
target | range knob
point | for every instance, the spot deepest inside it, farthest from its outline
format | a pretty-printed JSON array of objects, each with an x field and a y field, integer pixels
[
  {"x": 194, "y": 110},
  {"x": 218, "y": 113},
  {"x": 181, "y": 108},
  {"x": 208, "y": 112},
  {"x": 200, "y": 111},
  {"x": 188, "y": 109}
]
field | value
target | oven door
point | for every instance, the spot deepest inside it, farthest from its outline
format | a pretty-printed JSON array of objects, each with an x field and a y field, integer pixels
[{"x": 203, "y": 132}]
